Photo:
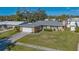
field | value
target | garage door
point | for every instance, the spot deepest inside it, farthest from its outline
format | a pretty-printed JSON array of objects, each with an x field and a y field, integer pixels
[{"x": 26, "y": 29}]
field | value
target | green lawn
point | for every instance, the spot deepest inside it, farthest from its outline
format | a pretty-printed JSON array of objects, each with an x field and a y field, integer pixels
[
  {"x": 21, "y": 48},
  {"x": 8, "y": 33},
  {"x": 59, "y": 40}
]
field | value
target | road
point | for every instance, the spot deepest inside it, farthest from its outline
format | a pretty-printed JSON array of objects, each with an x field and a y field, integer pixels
[{"x": 35, "y": 46}]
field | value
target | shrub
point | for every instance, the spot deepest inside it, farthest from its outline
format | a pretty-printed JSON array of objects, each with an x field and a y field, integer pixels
[
  {"x": 77, "y": 29},
  {"x": 67, "y": 29},
  {"x": 17, "y": 29},
  {"x": 47, "y": 29}
]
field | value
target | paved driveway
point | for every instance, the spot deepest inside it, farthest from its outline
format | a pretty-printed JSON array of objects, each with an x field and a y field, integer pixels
[
  {"x": 17, "y": 36},
  {"x": 36, "y": 47}
]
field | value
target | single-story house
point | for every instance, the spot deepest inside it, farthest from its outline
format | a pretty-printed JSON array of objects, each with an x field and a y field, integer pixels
[
  {"x": 40, "y": 25},
  {"x": 10, "y": 24},
  {"x": 34, "y": 26}
]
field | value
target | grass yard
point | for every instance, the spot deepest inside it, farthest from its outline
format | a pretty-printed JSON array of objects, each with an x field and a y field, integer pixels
[
  {"x": 21, "y": 48},
  {"x": 7, "y": 34},
  {"x": 58, "y": 40}
]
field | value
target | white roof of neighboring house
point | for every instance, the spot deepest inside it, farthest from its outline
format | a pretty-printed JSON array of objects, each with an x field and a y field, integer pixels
[
  {"x": 78, "y": 24},
  {"x": 73, "y": 24},
  {"x": 11, "y": 22},
  {"x": 73, "y": 19}
]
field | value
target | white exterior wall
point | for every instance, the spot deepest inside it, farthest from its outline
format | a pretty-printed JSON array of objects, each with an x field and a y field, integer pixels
[
  {"x": 48, "y": 27},
  {"x": 52, "y": 28},
  {"x": 68, "y": 25},
  {"x": 44, "y": 27},
  {"x": 72, "y": 29},
  {"x": 60, "y": 28}
]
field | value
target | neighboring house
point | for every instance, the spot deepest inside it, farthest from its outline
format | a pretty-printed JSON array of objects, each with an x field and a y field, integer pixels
[
  {"x": 10, "y": 24},
  {"x": 77, "y": 23},
  {"x": 73, "y": 26},
  {"x": 40, "y": 25},
  {"x": 2, "y": 26},
  {"x": 52, "y": 19},
  {"x": 72, "y": 23}
]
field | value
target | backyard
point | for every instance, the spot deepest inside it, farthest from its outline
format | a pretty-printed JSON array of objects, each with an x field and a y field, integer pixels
[
  {"x": 57, "y": 40},
  {"x": 7, "y": 34}
]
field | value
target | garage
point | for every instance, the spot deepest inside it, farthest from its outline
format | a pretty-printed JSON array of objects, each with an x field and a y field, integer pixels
[
  {"x": 24, "y": 29},
  {"x": 31, "y": 27}
]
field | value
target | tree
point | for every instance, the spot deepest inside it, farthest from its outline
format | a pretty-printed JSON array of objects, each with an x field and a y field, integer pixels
[
  {"x": 23, "y": 14},
  {"x": 30, "y": 16},
  {"x": 18, "y": 15},
  {"x": 40, "y": 14},
  {"x": 64, "y": 17}
]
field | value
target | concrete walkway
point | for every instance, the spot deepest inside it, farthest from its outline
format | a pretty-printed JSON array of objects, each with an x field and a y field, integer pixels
[
  {"x": 17, "y": 36},
  {"x": 35, "y": 46}
]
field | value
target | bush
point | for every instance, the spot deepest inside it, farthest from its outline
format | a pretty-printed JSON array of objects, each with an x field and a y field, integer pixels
[
  {"x": 17, "y": 29},
  {"x": 67, "y": 29},
  {"x": 47, "y": 29},
  {"x": 77, "y": 29}
]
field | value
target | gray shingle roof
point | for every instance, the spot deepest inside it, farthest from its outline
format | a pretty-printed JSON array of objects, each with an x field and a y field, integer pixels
[
  {"x": 30, "y": 25},
  {"x": 11, "y": 23},
  {"x": 43, "y": 23},
  {"x": 50, "y": 23}
]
